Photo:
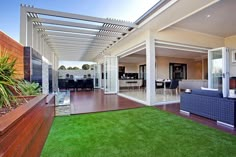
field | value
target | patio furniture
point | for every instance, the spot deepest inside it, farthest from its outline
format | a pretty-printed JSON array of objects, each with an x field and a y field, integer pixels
[
  {"x": 174, "y": 84},
  {"x": 160, "y": 85},
  {"x": 71, "y": 84},
  {"x": 130, "y": 83},
  {"x": 88, "y": 84},
  {"x": 209, "y": 104},
  {"x": 80, "y": 84}
]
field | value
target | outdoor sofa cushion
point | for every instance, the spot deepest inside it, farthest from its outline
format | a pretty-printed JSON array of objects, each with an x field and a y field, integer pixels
[{"x": 207, "y": 93}]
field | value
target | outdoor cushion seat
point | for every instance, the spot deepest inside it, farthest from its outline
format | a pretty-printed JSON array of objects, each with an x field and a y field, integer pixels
[{"x": 209, "y": 104}]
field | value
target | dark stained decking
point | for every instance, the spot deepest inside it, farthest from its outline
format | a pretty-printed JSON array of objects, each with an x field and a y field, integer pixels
[
  {"x": 175, "y": 108},
  {"x": 97, "y": 101}
]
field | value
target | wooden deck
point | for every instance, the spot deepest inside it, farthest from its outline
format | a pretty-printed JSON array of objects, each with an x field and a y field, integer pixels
[
  {"x": 97, "y": 101},
  {"x": 175, "y": 108}
]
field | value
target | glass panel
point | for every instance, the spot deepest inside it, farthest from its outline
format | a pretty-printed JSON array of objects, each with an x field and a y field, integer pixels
[
  {"x": 97, "y": 75},
  {"x": 111, "y": 74},
  {"x": 216, "y": 70}
]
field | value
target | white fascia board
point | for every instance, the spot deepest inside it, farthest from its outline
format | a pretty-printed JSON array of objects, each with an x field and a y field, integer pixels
[
  {"x": 79, "y": 17},
  {"x": 75, "y": 24},
  {"x": 158, "y": 12},
  {"x": 181, "y": 45},
  {"x": 130, "y": 50},
  {"x": 182, "y": 49}
]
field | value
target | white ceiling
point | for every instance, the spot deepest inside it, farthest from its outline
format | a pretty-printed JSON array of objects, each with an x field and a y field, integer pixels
[
  {"x": 218, "y": 19},
  {"x": 139, "y": 57}
]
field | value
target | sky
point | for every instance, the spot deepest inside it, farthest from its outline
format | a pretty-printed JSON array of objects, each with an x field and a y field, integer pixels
[{"x": 128, "y": 10}]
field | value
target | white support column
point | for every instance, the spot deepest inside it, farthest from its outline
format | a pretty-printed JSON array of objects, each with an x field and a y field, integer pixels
[
  {"x": 23, "y": 26},
  {"x": 56, "y": 63},
  {"x": 54, "y": 72},
  {"x": 29, "y": 32},
  {"x": 35, "y": 39},
  {"x": 41, "y": 43},
  {"x": 150, "y": 69},
  {"x": 45, "y": 76}
]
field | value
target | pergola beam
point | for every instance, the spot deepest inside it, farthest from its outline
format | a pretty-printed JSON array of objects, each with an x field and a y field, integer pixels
[
  {"x": 73, "y": 30},
  {"x": 84, "y": 34},
  {"x": 76, "y": 24},
  {"x": 77, "y": 49},
  {"x": 77, "y": 43},
  {"x": 80, "y": 36},
  {"x": 73, "y": 45},
  {"x": 80, "y": 17},
  {"x": 56, "y": 38}
]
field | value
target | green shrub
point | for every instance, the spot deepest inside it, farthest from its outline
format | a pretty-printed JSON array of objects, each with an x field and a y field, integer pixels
[
  {"x": 7, "y": 80},
  {"x": 28, "y": 88},
  {"x": 85, "y": 67}
]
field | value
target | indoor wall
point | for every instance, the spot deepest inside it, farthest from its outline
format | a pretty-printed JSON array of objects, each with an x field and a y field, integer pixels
[
  {"x": 194, "y": 68},
  {"x": 130, "y": 67}
]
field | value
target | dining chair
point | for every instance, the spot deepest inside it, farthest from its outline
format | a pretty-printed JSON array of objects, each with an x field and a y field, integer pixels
[{"x": 174, "y": 84}]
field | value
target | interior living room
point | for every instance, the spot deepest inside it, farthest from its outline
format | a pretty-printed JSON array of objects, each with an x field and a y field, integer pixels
[{"x": 188, "y": 66}]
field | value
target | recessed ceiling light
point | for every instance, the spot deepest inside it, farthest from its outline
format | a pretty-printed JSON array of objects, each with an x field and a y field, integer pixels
[{"x": 208, "y": 16}]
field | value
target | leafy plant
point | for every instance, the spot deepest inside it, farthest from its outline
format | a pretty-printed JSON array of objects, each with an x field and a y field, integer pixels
[
  {"x": 28, "y": 88},
  {"x": 75, "y": 68},
  {"x": 7, "y": 80},
  {"x": 85, "y": 67},
  {"x": 69, "y": 68},
  {"x": 62, "y": 67}
]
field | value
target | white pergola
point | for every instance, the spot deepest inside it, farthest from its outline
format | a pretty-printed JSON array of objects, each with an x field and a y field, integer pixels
[{"x": 70, "y": 36}]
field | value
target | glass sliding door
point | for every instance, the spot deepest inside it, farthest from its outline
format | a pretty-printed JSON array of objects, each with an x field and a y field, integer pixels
[
  {"x": 97, "y": 76},
  {"x": 110, "y": 75},
  {"x": 142, "y": 74},
  {"x": 218, "y": 69}
]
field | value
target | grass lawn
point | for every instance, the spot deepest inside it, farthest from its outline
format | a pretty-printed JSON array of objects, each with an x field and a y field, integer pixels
[{"x": 142, "y": 132}]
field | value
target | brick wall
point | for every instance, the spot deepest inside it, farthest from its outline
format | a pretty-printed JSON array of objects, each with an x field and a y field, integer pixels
[{"x": 14, "y": 49}]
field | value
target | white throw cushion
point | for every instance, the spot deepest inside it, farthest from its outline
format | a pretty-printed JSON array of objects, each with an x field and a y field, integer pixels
[{"x": 211, "y": 89}]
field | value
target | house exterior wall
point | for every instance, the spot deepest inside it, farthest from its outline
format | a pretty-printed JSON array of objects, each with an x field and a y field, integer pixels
[{"x": 15, "y": 50}]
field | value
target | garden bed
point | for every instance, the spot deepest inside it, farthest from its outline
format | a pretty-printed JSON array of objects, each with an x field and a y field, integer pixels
[
  {"x": 24, "y": 129},
  {"x": 21, "y": 100}
]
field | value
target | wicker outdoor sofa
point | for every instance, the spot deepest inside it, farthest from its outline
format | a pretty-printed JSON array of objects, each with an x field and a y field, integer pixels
[{"x": 210, "y": 104}]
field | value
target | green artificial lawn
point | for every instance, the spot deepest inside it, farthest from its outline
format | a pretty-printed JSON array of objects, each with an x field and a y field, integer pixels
[{"x": 142, "y": 132}]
